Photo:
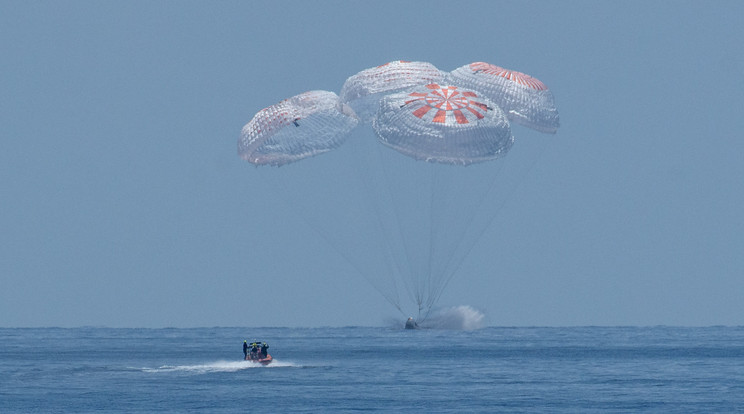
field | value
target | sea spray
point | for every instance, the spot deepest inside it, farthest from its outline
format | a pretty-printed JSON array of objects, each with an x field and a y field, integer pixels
[
  {"x": 217, "y": 366},
  {"x": 462, "y": 318}
]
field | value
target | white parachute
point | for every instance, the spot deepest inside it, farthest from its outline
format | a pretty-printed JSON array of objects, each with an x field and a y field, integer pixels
[
  {"x": 443, "y": 124},
  {"x": 304, "y": 125},
  {"x": 426, "y": 184},
  {"x": 525, "y": 99},
  {"x": 364, "y": 90}
]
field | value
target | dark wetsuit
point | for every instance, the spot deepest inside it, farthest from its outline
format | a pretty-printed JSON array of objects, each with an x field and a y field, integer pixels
[
  {"x": 264, "y": 350},
  {"x": 245, "y": 349}
]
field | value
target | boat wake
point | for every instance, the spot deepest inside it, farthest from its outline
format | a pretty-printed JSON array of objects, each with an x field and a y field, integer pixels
[{"x": 219, "y": 366}]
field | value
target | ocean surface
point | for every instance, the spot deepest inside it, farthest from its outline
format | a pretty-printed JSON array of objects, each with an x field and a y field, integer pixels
[{"x": 489, "y": 370}]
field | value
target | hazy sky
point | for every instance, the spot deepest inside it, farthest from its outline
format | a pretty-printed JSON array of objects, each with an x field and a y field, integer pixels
[{"x": 123, "y": 201}]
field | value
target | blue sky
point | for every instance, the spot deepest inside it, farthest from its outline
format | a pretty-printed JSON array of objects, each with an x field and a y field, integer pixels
[{"x": 123, "y": 201}]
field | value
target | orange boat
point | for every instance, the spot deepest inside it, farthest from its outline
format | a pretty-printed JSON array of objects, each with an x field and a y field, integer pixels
[{"x": 260, "y": 360}]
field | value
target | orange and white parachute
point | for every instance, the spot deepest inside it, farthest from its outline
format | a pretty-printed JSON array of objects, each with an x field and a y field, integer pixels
[
  {"x": 410, "y": 112},
  {"x": 443, "y": 124},
  {"x": 304, "y": 125},
  {"x": 525, "y": 99},
  {"x": 364, "y": 90}
]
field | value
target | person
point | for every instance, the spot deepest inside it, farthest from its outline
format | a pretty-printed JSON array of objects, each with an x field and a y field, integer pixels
[
  {"x": 264, "y": 350},
  {"x": 245, "y": 349},
  {"x": 254, "y": 351}
]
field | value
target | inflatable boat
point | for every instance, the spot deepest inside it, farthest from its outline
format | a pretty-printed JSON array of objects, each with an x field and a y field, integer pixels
[{"x": 260, "y": 360}]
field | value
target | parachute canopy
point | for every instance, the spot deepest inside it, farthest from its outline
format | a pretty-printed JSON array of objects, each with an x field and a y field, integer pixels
[
  {"x": 525, "y": 99},
  {"x": 304, "y": 125},
  {"x": 443, "y": 124},
  {"x": 363, "y": 91}
]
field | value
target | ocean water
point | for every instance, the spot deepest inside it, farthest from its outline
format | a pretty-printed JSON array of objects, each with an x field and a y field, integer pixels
[{"x": 359, "y": 369}]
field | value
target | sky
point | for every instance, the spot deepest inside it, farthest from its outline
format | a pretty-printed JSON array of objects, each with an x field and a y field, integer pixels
[{"x": 123, "y": 202}]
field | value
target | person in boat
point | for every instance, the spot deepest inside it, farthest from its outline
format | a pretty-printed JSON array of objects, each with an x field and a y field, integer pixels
[
  {"x": 264, "y": 350},
  {"x": 254, "y": 350},
  {"x": 245, "y": 349}
]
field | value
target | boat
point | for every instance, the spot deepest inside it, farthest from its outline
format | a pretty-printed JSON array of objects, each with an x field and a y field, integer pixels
[
  {"x": 258, "y": 352},
  {"x": 260, "y": 360}
]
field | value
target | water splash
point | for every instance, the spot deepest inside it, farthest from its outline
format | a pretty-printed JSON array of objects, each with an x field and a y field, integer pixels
[
  {"x": 461, "y": 318},
  {"x": 218, "y": 366}
]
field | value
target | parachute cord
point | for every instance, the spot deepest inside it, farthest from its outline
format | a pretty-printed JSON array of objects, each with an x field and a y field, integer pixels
[
  {"x": 410, "y": 290},
  {"x": 426, "y": 315},
  {"x": 440, "y": 207},
  {"x": 458, "y": 263},
  {"x": 425, "y": 283},
  {"x": 390, "y": 297},
  {"x": 374, "y": 201},
  {"x": 463, "y": 246},
  {"x": 441, "y": 202},
  {"x": 432, "y": 231},
  {"x": 375, "y": 163}
]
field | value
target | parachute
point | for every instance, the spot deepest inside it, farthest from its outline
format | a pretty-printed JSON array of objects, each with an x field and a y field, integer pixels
[
  {"x": 525, "y": 99},
  {"x": 304, "y": 125},
  {"x": 364, "y": 90},
  {"x": 443, "y": 124},
  {"x": 406, "y": 204}
]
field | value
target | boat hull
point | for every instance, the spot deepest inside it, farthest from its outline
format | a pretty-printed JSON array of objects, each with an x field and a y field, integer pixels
[{"x": 262, "y": 361}]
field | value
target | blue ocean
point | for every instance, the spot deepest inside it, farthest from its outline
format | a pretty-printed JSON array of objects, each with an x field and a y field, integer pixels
[{"x": 364, "y": 369}]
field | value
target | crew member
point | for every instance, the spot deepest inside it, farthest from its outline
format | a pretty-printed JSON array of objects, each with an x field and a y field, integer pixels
[
  {"x": 245, "y": 349},
  {"x": 264, "y": 350}
]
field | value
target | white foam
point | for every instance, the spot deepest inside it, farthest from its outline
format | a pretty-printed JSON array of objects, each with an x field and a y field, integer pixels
[
  {"x": 218, "y": 366},
  {"x": 461, "y": 318}
]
